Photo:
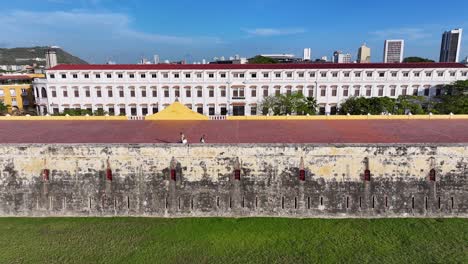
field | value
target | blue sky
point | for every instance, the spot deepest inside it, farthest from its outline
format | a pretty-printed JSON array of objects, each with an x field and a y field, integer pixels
[{"x": 126, "y": 30}]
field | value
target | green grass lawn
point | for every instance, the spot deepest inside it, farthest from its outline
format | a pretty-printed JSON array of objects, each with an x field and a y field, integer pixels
[{"x": 221, "y": 240}]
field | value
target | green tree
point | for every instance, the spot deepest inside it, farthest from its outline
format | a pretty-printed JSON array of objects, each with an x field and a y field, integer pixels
[
  {"x": 454, "y": 99},
  {"x": 75, "y": 112},
  {"x": 262, "y": 60},
  {"x": 378, "y": 105},
  {"x": 363, "y": 106},
  {"x": 3, "y": 108},
  {"x": 452, "y": 104},
  {"x": 72, "y": 112},
  {"x": 457, "y": 88},
  {"x": 416, "y": 59},
  {"x": 416, "y": 105},
  {"x": 288, "y": 104},
  {"x": 269, "y": 104},
  {"x": 100, "y": 112}
]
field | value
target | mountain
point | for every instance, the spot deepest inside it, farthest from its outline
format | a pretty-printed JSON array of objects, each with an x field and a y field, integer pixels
[{"x": 28, "y": 56}]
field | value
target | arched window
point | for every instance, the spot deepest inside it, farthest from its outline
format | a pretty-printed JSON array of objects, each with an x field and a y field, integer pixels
[
  {"x": 367, "y": 173},
  {"x": 43, "y": 93},
  {"x": 288, "y": 90},
  {"x": 432, "y": 175},
  {"x": 37, "y": 92}
]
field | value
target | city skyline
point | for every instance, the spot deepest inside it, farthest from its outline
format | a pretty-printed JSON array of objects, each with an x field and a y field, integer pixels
[{"x": 124, "y": 32}]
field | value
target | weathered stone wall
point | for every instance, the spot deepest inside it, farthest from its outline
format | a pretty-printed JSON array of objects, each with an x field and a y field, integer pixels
[{"x": 205, "y": 184}]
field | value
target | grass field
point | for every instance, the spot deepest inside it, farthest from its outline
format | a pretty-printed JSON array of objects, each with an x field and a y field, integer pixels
[{"x": 219, "y": 240}]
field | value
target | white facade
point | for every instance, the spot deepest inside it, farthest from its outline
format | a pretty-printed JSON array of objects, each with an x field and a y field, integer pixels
[
  {"x": 307, "y": 54},
  {"x": 393, "y": 51},
  {"x": 139, "y": 90},
  {"x": 340, "y": 57}
]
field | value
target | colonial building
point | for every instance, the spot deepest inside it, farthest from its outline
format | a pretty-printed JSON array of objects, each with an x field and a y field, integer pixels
[
  {"x": 16, "y": 91},
  {"x": 233, "y": 89}
]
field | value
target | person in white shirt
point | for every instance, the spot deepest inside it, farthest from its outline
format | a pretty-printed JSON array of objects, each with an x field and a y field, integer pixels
[{"x": 183, "y": 139}]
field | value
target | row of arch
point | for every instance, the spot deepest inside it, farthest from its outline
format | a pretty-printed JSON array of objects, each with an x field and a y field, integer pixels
[{"x": 222, "y": 91}]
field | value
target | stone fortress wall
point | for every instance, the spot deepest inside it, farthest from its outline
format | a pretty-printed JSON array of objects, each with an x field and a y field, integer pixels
[{"x": 242, "y": 180}]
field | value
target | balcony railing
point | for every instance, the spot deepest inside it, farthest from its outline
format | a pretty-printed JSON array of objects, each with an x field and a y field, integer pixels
[
  {"x": 136, "y": 118},
  {"x": 238, "y": 97},
  {"x": 41, "y": 101},
  {"x": 218, "y": 117}
]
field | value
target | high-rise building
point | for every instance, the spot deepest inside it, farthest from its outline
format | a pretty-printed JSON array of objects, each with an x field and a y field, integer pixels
[
  {"x": 340, "y": 57},
  {"x": 307, "y": 54},
  {"x": 144, "y": 61},
  {"x": 364, "y": 54},
  {"x": 450, "y": 46},
  {"x": 156, "y": 59},
  {"x": 393, "y": 51},
  {"x": 51, "y": 58}
]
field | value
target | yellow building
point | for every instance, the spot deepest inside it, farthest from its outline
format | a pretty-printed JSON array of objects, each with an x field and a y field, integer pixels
[
  {"x": 364, "y": 54},
  {"x": 16, "y": 92}
]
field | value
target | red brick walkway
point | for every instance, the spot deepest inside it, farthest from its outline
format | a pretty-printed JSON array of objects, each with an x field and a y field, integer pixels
[{"x": 324, "y": 131}]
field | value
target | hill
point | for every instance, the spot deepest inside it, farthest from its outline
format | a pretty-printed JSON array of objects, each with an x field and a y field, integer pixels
[{"x": 27, "y": 56}]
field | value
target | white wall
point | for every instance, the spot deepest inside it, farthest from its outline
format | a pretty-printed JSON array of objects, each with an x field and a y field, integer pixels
[{"x": 312, "y": 80}]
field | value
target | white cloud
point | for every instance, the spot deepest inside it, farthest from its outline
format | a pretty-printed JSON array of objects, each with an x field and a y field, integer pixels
[
  {"x": 85, "y": 25},
  {"x": 403, "y": 33},
  {"x": 96, "y": 36},
  {"x": 268, "y": 32}
]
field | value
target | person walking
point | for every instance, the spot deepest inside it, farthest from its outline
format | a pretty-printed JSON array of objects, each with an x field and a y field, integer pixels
[{"x": 202, "y": 139}]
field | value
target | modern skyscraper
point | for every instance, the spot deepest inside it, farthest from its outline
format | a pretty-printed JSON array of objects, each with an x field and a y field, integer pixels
[
  {"x": 156, "y": 59},
  {"x": 307, "y": 54},
  {"x": 364, "y": 54},
  {"x": 450, "y": 46},
  {"x": 340, "y": 57},
  {"x": 393, "y": 51}
]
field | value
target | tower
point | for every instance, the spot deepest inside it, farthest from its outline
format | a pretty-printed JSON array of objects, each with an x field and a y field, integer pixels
[
  {"x": 307, "y": 54},
  {"x": 340, "y": 57},
  {"x": 393, "y": 51},
  {"x": 364, "y": 54},
  {"x": 51, "y": 58},
  {"x": 450, "y": 45}
]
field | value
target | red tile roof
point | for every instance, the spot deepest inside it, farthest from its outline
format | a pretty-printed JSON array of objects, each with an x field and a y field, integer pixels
[
  {"x": 316, "y": 131},
  {"x": 14, "y": 77},
  {"x": 279, "y": 66}
]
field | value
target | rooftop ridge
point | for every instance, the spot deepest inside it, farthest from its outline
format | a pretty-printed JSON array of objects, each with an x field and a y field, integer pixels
[{"x": 423, "y": 65}]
